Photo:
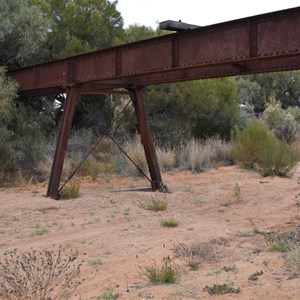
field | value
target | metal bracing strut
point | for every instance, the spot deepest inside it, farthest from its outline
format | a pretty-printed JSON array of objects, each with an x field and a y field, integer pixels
[
  {"x": 62, "y": 142},
  {"x": 64, "y": 133}
]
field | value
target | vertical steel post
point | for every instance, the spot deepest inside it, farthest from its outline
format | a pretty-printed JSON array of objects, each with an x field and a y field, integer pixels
[
  {"x": 62, "y": 142},
  {"x": 136, "y": 97}
]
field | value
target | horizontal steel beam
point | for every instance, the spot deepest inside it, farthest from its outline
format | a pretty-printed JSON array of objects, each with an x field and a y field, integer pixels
[{"x": 264, "y": 43}]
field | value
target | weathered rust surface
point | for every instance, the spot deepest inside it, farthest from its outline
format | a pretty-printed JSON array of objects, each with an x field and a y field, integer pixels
[
  {"x": 64, "y": 132},
  {"x": 143, "y": 128},
  {"x": 264, "y": 43},
  {"x": 258, "y": 44}
]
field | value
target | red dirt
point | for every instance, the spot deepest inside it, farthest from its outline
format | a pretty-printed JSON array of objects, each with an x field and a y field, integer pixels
[{"x": 108, "y": 223}]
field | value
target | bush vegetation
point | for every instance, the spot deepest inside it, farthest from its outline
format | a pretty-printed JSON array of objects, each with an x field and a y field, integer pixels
[
  {"x": 166, "y": 272},
  {"x": 256, "y": 147},
  {"x": 294, "y": 258},
  {"x": 280, "y": 121},
  {"x": 197, "y": 155},
  {"x": 184, "y": 117},
  {"x": 70, "y": 191},
  {"x": 22, "y": 137}
]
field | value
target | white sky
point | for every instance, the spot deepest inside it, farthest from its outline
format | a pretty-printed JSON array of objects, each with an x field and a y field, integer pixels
[{"x": 197, "y": 12}]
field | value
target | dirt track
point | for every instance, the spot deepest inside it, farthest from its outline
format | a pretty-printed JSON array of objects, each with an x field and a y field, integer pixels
[{"x": 108, "y": 223}]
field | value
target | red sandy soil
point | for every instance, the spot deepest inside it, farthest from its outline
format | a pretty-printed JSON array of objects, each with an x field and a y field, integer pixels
[{"x": 108, "y": 223}]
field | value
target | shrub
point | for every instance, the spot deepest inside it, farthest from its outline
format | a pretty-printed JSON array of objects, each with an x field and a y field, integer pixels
[
  {"x": 136, "y": 152},
  {"x": 257, "y": 147},
  {"x": 294, "y": 258},
  {"x": 23, "y": 141},
  {"x": 70, "y": 191},
  {"x": 278, "y": 159},
  {"x": 281, "y": 122},
  {"x": 250, "y": 143},
  {"x": 169, "y": 222},
  {"x": 46, "y": 274},
  {"x": 155, "y": 205},
  {"x": 166, "y": 158},
  {"x": 44, "y": 166},
  {"x": 167, "y": 273},
  {"x": 199, "y": 155},
  {"x": 193, "y": 254},
  {"x": 220, "y": 289},
  {"x": 103, "y": 150}
]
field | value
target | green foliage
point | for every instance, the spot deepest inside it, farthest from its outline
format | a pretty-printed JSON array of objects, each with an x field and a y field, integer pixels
[
  {"x": 166, "y": 273},
  {"x": 220, "y": 289},
  {"x": 254, "y": 276},
  {"x": 22, "y": 138},
  {"x": 80, "y": 26},
  {"x": 109, "y": 294},
  {"x": 195, "y": 109},
  {"x": 251, "y": 143},
  {"x": 279, "y": 247},
  {"x": 136, "y": 33},
  {"x": 155, "y": 205},
  {"x": 257, "y": 147},
  {"x": 71, "y": 191},
  {"x": 257, "y": 89},
  {"x": 95, "y": 262},
  {"x": 237, "y": 192},
  {"x": 23, "y": 29},
  {"x": 281, "y": 121},
  {"x": 279, "y": 159},
  {"x": 171, "y": 222}
]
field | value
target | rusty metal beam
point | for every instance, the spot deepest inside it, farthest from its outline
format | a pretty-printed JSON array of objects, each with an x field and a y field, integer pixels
[
  {"x": 143, "y": 128},
  {"x": 264, "y": 43},
  {"x": 62, "y": 142}
]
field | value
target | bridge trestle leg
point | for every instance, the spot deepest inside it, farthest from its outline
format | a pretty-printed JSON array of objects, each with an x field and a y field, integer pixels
[
  {"x": 62, "y": 143},
  {"x": 146, "y": 138}
]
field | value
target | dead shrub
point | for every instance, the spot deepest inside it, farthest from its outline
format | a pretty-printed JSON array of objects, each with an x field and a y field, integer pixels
[
  {"x": 166, "y": 158},
  {"x": 136, "y": 152},
  {"x": 46, "y": 274},
  {"x": 199, "y": 155},
  {"x": 294, "y": 258},
  {"x": 43, "y": 169}
]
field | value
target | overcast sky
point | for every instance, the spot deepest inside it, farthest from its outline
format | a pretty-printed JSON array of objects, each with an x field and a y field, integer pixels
[{"x": 197, "y": 12}]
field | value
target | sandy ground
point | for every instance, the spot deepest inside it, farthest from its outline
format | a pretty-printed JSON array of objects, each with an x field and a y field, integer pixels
[{"x": 109, "y": 224}]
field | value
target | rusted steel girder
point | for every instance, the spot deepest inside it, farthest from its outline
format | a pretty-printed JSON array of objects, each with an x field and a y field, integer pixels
[
  {"x": 263, "y": 43},
  {"x": 62, "y": 142},
  {"x": 143, "y": 128}
]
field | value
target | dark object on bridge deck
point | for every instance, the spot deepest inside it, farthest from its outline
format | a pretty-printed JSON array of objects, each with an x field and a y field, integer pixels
[{"x": 176, "y": 25}]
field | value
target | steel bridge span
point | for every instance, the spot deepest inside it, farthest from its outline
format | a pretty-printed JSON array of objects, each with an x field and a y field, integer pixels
[{"x": 258, "y": 44}]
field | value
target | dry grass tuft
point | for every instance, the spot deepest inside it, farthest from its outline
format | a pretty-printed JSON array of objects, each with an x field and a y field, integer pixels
[{"x": 199, "y": 156}]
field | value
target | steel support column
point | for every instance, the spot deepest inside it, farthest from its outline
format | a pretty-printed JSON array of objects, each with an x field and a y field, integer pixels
[
  {"x": 62, "y": 142},
  {"x": 136, "y": 97}
]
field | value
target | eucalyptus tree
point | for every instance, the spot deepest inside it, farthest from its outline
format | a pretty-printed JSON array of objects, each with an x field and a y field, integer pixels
[
  {"x": 80, "y": 26},
  {"x": 23, "y": 28}
]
